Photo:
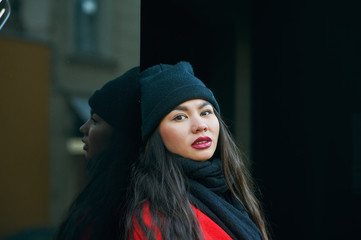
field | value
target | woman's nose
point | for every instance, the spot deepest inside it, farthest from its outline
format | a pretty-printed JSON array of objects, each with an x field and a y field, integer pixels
[
  {"x": 84, "y": 128},
  {"x": 199, "y": 126}
]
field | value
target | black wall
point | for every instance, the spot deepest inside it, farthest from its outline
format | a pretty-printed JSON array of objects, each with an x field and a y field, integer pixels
[{"x": 306, "y": 88}]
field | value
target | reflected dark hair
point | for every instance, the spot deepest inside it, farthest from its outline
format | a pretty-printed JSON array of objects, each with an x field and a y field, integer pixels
[
  {"x": 98, "y": 211},
  {"x": 157, "y": 179}
]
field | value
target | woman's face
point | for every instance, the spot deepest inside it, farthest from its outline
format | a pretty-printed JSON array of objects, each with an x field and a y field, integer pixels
[
  {"x": 191, "y": 130},
  {"x": 97, "y": 135}
]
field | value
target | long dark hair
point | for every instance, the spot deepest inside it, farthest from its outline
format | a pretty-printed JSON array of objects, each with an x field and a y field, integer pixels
[
  {"x": 157, "y": 179},
  {"x": 98, "y": 211},
  {"x": 239, "y": 179},
  {"x": 160, "y": 184}
]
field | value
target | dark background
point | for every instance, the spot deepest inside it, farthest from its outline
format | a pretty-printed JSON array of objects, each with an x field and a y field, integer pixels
[
  {"x": 306, "y": 71},
  {"x": 187, "y": 30}
]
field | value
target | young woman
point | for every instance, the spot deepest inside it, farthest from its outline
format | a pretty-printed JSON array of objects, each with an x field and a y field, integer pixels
[
  {"x": 111, "y": 143},
  {"x": 190, "y": 182}
]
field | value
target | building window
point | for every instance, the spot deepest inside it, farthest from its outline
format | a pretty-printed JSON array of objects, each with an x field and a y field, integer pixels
[
  {"x": 91, "y": 33},
  {"x": 87, "y": 27}
]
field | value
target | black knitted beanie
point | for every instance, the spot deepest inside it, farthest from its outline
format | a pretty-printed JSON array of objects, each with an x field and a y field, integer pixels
[
  {"x": 118, "y": 101},
  {"x": 163, "y": 87}
]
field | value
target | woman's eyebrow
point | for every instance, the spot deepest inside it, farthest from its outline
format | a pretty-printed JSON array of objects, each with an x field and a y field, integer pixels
[
  {"x": 181, "y": 108},
  {"x": 204, "y": 104},
  {"x": 184, "y": 108}
]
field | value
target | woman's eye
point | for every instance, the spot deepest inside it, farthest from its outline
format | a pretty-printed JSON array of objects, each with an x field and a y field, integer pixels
[
  {"x": 93, "y": 120},
  {"x": 207, "y": 112},
  {"x": 179, "y": 117}
]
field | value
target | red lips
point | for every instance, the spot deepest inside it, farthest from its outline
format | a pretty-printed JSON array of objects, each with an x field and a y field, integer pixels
[
  {"x": 202, "y": 142},
  {"x": 85, "y": 147}
]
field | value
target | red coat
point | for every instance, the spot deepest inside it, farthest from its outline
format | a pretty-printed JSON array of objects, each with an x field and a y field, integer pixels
[{"x": 210, "y": 229}]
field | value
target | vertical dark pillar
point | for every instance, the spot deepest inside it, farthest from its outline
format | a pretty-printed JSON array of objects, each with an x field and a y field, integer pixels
[{"x": 306, "y": 90}]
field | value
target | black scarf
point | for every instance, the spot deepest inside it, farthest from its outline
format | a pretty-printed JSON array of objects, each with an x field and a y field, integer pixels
[{"x": 211, "y": 195}]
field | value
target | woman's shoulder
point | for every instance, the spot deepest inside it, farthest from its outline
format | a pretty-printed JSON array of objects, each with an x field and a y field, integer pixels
[{"x": 210, "y": 229}]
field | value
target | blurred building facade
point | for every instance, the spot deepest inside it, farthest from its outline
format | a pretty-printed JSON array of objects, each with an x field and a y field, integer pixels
[{"x": 71, "y": 48}]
